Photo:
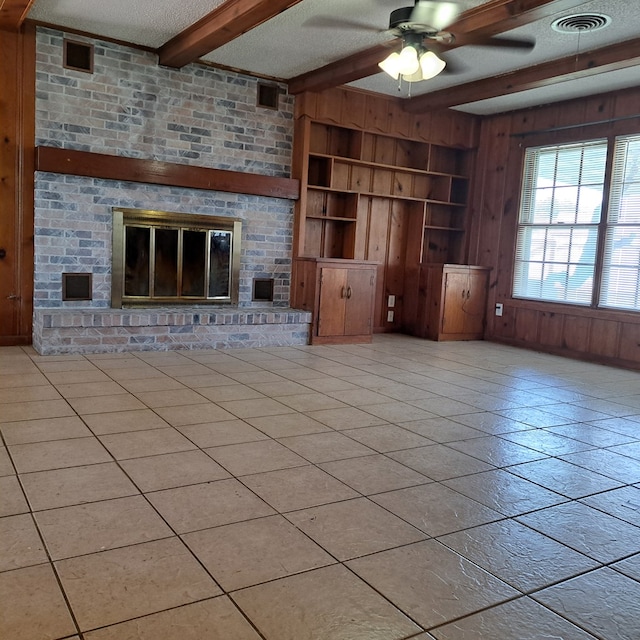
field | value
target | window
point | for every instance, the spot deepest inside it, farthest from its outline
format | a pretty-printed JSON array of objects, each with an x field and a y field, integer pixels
[
  {"x": 621, "y": 272},
  {"x": 558, "y": 251}
]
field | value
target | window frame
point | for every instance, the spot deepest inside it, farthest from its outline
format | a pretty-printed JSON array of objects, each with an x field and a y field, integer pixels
[
  {"x": 608, "y": 225},
  {"x": 602, "y": 228}
]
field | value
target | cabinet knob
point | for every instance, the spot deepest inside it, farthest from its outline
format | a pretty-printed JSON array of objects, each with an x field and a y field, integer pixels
[{"x": 349, "y": 292}]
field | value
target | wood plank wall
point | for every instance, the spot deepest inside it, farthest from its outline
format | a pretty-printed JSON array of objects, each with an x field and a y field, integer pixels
[
  {"x": 381, "y": 114},
  {"x": 603, "y": 336},
  {"x": 17, "y": 125}
]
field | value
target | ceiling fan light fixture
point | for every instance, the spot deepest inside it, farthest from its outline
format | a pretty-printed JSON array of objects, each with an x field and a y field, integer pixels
[
  {"x": 409, "y": 62},
  {"x": 391, "y": 65},
  {"x": 413, "y": 64},
  {"x": 405, "y": 63},
  {"x": 431, "y": 65}
]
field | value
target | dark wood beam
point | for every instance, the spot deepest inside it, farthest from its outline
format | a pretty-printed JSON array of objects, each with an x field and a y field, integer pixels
[
  {"x": 359, "y": 65},
  {"x": 13, "y": 13},
  {"x": 108, "y": 167},
  {"x": 499, "y": 16},
  {"x": 228, "y": 21},
  {"x": 611, "y": 58},
  {"x": 490, "y": 19}
]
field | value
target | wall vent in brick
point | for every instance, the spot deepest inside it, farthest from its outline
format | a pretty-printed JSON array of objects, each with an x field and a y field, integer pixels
[
  {"x": 78, "y": 56},
  {"x": 268, "y": 95},
  {"x": 263, "y": 289},
  {"x": 76, "y": 286}
]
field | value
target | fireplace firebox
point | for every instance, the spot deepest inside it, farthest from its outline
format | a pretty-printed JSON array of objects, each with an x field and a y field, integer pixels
[{"x": 162, "y": 258}]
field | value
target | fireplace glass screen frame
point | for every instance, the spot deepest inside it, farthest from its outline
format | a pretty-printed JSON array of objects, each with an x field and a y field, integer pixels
[{"x": 163, "y": 258}]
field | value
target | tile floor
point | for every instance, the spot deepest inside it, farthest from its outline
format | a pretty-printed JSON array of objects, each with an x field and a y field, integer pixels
[{"x": 403, "y": 489}]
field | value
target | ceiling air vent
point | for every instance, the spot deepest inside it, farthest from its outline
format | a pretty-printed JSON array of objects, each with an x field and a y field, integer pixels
[{"x": 581, "y": 22}]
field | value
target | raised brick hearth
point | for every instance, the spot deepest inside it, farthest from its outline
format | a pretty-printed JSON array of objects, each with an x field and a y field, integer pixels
[{"x": 59, "y": 331}]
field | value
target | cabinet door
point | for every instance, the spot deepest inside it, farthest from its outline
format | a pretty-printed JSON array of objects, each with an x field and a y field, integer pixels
[
  {"x": 333, "y": 296},
  {"x": 476, "y": 303},
  {"x": 358, "y": 306},
  {"x": 456, "y": 296},
  {"x": 464, "y": 302}
]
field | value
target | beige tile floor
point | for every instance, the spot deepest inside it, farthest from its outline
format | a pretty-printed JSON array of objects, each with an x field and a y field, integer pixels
[{"x": 403, "y": 489}]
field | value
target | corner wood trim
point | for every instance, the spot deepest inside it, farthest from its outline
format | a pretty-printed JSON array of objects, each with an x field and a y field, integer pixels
[{"x": 108, "y": 167}]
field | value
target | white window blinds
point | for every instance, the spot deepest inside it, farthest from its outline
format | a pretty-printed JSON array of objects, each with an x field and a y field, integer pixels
[
  {"x": 558, "y": 224},
  {"x": 620, "y": 286}
]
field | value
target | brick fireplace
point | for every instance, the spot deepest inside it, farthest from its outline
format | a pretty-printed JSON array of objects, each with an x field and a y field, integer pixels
[{"x": 197, "y": 116}]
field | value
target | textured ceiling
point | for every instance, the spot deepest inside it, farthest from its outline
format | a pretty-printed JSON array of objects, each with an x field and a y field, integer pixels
[
  {"x": 144, "y": 22},
  {"x": 293, "y": 42}
]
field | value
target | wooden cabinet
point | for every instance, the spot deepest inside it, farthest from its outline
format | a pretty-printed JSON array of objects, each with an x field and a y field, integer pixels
[
  {"x": 452, "y": 302},
  {"x": 341, "y": 295},
  {"x": 374, "y": 196}
]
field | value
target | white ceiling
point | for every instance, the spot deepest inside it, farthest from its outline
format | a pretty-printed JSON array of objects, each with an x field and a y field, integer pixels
[{"x": 290, "y": 44}]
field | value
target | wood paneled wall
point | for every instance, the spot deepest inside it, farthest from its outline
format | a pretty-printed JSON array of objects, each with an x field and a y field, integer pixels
[
  {"x": 17, "y": 117},
  {"x": 361, "y": 110},
  {"x": 591, "y": 334}
]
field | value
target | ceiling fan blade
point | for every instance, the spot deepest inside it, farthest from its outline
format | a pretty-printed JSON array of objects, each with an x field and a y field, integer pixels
[
  {"x": 326, "y": 22},
  {"x": 491, "y": 41},
  {"x": 438, "y": 15},
  {"x": 453, "y": 67}
]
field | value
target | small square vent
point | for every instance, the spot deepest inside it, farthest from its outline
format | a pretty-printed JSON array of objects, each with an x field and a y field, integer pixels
[
  {"x": 268, "y": 95},
  {"x": 77, "y": 286},
  {"x": 78, "y": 56},
  {"x": 263, "y": 289}
]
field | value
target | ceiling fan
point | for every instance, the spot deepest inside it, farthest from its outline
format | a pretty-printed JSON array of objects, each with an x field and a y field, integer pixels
[{"x": 427, "y": 29}]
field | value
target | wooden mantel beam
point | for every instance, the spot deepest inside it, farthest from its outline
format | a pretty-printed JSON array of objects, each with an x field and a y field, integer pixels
[
  {"x": 168, "y": 174},
  {"x": 490, "y": 19},
  {"x": 618, "y": 56},
  {"x": 228, "y": 21},
  {"x": 13, "y": 13}
]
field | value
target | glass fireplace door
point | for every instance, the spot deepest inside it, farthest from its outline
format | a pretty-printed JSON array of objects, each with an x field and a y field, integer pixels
[{"x": 170, "y": 263}]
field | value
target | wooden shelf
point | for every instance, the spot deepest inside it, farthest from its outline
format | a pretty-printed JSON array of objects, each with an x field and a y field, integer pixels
[
  {"x": 354, "y": 177},
  {"x": 372, "y": 194},
  {"x": 391, "y": 167},
  {"x": 317, "y": 187},
  {"x": 334, "y": 218},
  {"x": 445, "y": 204}
]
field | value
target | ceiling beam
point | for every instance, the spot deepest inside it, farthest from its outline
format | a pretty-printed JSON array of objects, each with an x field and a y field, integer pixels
[
  {"x": 225, "y": 23},
  {"x": 359, "y": 65},
  {"x": 590, "y": 63},
  {"x": 492, "y": 18},
  {"x": 499, "y": 16},
  {"x": 13, "y": 13}
]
